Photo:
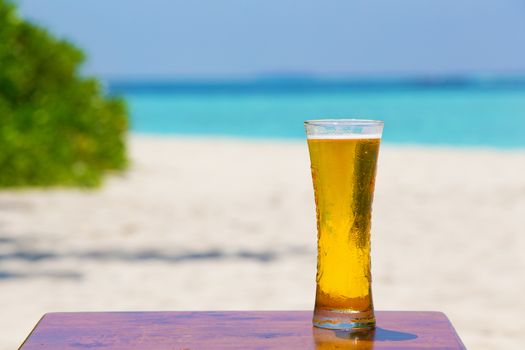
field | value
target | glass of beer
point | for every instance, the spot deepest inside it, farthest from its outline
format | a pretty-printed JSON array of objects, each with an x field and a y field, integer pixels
[{"x": 343, "y": 156}]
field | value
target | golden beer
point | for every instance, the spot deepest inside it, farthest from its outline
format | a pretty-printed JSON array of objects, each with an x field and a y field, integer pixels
[{"x": 343, "y": 173}]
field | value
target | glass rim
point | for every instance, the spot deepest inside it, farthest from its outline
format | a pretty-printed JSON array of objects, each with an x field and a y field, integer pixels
[{"x": 343, "y": 121}]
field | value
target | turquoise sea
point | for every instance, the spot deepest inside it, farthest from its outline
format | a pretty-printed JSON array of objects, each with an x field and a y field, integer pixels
[{"x": 457, "y": 112}]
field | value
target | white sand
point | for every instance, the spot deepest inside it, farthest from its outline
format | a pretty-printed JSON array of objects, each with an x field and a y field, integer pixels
[{"x": 222, "y": 224}]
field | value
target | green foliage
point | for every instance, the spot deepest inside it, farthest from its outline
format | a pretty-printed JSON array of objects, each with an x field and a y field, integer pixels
[{"x": 56, "y": 127}]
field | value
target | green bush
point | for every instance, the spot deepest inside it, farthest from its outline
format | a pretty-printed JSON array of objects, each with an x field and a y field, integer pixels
[{"x": 56, "y": 127}]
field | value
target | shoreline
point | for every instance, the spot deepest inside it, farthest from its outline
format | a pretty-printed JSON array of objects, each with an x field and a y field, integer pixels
[{"x": 290, "y": 140}]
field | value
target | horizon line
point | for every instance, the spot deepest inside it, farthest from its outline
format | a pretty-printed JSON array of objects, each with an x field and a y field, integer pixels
[{"x": 313, "y": 84}]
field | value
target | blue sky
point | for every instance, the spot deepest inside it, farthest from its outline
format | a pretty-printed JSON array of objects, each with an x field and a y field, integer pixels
[{"x": 239, "y": 38}]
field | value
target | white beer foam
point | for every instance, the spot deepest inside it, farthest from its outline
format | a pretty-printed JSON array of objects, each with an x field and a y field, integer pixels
[{"x": 343, "y": 136}]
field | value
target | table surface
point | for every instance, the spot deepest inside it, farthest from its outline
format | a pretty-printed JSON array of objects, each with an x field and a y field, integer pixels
[{"x": 234, "y": 330}]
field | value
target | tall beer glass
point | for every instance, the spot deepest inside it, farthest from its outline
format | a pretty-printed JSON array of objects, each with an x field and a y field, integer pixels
[{"x": 343, "y": 156}]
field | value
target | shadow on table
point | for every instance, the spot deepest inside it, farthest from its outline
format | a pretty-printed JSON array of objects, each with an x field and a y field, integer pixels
[{"x": 334, "y": 339}]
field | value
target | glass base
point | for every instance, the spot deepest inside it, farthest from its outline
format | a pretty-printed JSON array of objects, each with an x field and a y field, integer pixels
[{"x": 344, "y": 320}]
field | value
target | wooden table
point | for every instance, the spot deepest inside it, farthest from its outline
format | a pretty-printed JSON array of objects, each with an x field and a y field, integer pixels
[{"x": 245, "y": 330}]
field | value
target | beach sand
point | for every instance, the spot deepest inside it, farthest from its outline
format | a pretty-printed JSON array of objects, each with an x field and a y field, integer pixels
[{"x": 200, "y": 224}]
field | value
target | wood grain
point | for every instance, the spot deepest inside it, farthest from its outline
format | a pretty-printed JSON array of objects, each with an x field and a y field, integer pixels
[{"x": 257, "y": 330}]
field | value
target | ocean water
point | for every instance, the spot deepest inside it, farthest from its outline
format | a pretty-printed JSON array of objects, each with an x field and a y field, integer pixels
[{"x": 445, "y": 114}]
